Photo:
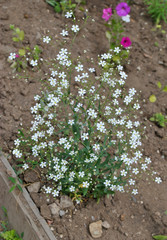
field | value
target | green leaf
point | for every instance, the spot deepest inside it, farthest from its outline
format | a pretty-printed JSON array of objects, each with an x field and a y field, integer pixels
[
  {"x": 4, "y": 210},
  {"x": 160, "y": 237},
  {"x": 15, "y": 39},
  {"x": 165, "y": 89},
  {"x": 21, "y": 35},
  {"x": 11, "y": 27},
  {"x": 57, "y": 8},
  {"x": 108, "y": 35},
  {"x": 22, "y": 52},
  {"x": 159, "y": 85},
  {"x": 152, "y": 98},
  {"x": 19, "y": 187},
  {"x": 12, "y": 188},
  {"x": 12, "y": 179},
  {"x": 165, "y": 212},
  {"x": 20, "y": 133},
  {"x": 51, "y": 2}
]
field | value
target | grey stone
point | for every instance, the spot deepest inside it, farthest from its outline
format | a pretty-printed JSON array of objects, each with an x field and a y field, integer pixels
[
  {"x": 106, "y": 225},
  {"x": 66, "y": 202},
  {"x": 95, "y": 229},
  {"x": 34, "y": 187},
  {"x": 62, "y": 213},
  {"x": 45, "y": 212},
  {"x": 54, "y": 208}
]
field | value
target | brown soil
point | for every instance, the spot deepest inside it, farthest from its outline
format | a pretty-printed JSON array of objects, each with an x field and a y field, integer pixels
[{"x": 129, "y": 217}]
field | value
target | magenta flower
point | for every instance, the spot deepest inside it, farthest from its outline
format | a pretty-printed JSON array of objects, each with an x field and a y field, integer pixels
[
  {"x": 17, "y": 56},
  {"x": 122, "y": 9},
  {"x": 107, "y": 13},
  {"x": 126, "y": 42}
]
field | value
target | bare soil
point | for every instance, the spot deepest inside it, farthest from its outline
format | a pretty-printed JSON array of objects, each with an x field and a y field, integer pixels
[{"x": 131, "y": 218}]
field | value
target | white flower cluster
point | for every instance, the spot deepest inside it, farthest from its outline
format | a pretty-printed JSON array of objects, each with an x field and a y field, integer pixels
[{"x": 88, "y": 137}]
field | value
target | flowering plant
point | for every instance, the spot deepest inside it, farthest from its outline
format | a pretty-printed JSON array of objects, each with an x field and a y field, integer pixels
[
  {"x": 25, "y": 56},
  {"x": 114, "y": 35},
  {"x": 86, "y": 140}
]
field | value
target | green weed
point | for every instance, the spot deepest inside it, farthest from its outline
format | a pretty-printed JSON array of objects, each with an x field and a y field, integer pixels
[{"x": 157, "y": 9}]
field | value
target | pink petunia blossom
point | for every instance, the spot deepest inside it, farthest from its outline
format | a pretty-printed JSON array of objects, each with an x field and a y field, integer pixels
[
  {"x": 126, "y": 42},
  {"x": 107, "y": 13},
  {"x": 122, "y": 9}
]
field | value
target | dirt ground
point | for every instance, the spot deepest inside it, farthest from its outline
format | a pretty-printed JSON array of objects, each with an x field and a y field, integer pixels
[{"x": 131, "y": 218}]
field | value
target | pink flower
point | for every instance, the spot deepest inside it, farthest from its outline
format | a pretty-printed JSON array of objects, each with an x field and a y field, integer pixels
[
  {"x": 122, "y": 9},
  {"x": 126, "y": 42},
  {"x": 17, "y": 56},
  {"x": 107, "y": 13}
]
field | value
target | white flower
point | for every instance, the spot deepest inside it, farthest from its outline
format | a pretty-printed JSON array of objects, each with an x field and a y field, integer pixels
[
  {"x": 131, "y": 182},
  {"x": 79, "y": 67},
  {"x": 17, "y": 142},
  {"x": 12, "y": 56},
  {"x": 91, "y": 70},
  {"x": 135, "y": 192},
  {"x": 34, "y": 63},
  {"x": 81, "y": 174},
  {"x": 64, "y": 33},
  {"x": 123, "y": 75},
  {"x": 158, "y": 180},
  {"x": 84, "y": 136},
  {"x": 135, "y": 171},
  {"x": 120, "y": 68},
  {"x": 62, "y": 141},
  {"x": 117, "y": 50},
  {"x": 43, "y": 164},
  {"x": 101, "y": 127},
  {"x": 25, "y": 166},
  {"x": 55, "y": 193},
  {"x": 17, "y": 153},
  {"x": 126, "y": 18},
  {"x": 81, "y": 92},
  {"x": 123, "y": 173},
  {"x": 107, "y": 183},
  {"x": 69, "y": 14},
  {"x": 71, "y": 122},
  {"x": 72, "y": 189},
  {"x": 48, "y": 190},
  {"x": 75, "y": 28},
  {"x": 46, "y": 39},
  {"x": 96, "y": 147},
  {"x": 85, "y": 184}
]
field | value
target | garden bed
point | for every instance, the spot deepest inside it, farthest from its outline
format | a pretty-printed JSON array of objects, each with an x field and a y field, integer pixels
[{"x": 129, "y": 217}]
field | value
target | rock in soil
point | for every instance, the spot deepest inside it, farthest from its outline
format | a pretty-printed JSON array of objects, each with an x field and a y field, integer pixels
[
  {"x": 54, "y": 208},
  {"x": 62, "y": 213},
  {"x": 95, "y": 229},
  {"x": 38, "y": 198},
  {"x": 34, "y": 187},
  {"x": 66, "y": 202},
  {"x": 45, "y": 212},
  {"x": 30, "y": 176},
  {"x": 106, "y": 225}
]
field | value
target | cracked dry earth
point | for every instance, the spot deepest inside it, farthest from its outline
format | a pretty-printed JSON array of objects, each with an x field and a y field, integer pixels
[{"x": 129, "y": 218}]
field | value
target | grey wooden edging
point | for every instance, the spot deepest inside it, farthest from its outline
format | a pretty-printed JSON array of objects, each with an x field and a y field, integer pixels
[{"x": 23, "y": 215}]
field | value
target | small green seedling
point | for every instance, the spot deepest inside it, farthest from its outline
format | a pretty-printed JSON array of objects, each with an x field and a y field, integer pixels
[
  {"x": 6, "y": 234},
  {"x": 15, "y": 184},
  {"x": 19, "y": 34},
  {"x": 159, "y": 119},
  {"x": 157, "y": 9},
  {"x": 61, "y": 5}
]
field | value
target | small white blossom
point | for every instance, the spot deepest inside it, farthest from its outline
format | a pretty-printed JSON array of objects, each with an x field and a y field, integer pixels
[
  {"x": 46, "y": 39},
  {"x": 75, "y": 28}
]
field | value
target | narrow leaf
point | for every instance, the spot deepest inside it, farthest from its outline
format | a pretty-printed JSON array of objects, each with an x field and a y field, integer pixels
[{"x": 12, "y": 188}]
